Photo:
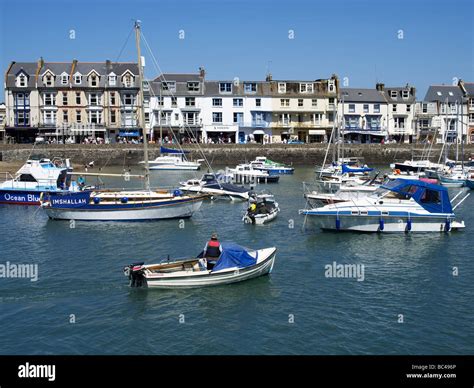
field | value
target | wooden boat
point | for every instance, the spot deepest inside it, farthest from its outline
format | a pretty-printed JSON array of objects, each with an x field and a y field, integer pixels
[{"x": 235, "y": 264}]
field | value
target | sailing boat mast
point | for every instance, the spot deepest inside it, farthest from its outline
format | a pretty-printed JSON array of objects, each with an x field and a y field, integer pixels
[{"x": 141, "y": 106}]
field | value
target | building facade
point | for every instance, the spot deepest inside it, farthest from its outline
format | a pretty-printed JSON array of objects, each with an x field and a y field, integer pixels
[
  {"x": 71, "y": 102},
  {"x": 3, "y": 114}
]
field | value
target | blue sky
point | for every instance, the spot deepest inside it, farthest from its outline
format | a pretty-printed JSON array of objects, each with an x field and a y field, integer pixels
[{"x": 356, "y": 39}]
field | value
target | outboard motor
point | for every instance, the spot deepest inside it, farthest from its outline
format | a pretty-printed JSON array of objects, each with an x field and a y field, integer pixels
[{"x": 134, "y": 272}]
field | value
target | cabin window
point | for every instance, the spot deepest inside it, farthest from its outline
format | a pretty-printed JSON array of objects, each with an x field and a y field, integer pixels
[
  {"x": 430, "y": 196},
  {"x": 27, "y": 178}
]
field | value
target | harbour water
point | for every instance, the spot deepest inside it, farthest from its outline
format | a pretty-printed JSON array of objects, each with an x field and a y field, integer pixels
[{"x": 409, "y": 302}]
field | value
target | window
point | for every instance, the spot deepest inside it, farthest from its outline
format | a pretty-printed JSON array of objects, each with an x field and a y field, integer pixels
[
  {"x": 393, "y": 93},
  {"x": 94, "y": 99},
  {"x": 259, "y": 118},
  {"x": 405, "y": 94},
  {"x": 48, "y": 80},
  {"x": 284, "y": 102},
  {"x": 176, "y": 116},
  {"x": 352, "y": 108},
  {"x": 258, "y": 102},
  {"x": 471, "y": 117},
  {"x": 65, "y": 116},
  {"x": 49, "y": 99},
  {"x": 366, "y": 108},
  {"x": 190, "y": 118},
  {"x": 376, "y": 108},
  {"x": 112, "y": 98},
  {"x": 306, "y": 88},
  {"x": 285, "y": 119},
  {"x": 314, "y": 102},
  {"x": 424, "y": 108},
  {"x": 331, "y": 86},
  {"x": 128, "y": 99},
  {"x": 250, "y": 87},
  {"x": 65, "y": 98},
  {"x": 95, "y": 117},
  {"x": 238, "y": 102},
  {"x": 300, "y": 102},
  {"x": 190, "y": 101},
  {"x": 64, "y": 79},
  {"x": 399, "y": 122},
  {"x": 49, "y": 117},
  {"x": 78, "y": 116},
  {"x": 281, "y": 87},
  {"x": 159, "y": 101},
  {"x": 225, "y": 87},
  {"x": 146, "y": 102},
  {"x": 471, "y": 103},
  {"x": 238, "y": 117},
  {"x": 217, "y": 102},
  {"x": 408, "y": 108},
  {"x": 394, "y": 108},
  {"x": 113, "y": 117},
  {"x": 78, "y": 98},
  {"x": 193, "y": 86},
  {"x": 22, "y": 99},
  {"x": 331, "y": 117},
  {"x": 147, "y": 117},
  {"x": 217, "y": 117},
  {"x": 23, "y": 118},
  {"x": 112, "y": 80},
  {"x": 430, "y": 196},
  {"x": 317, "y": 118},
  {"x": 77, "y": 79},
  {"x": 22, "y": 80},
  {"x": 424, "y": 124},
  {"x": 93, "y": 80},
  {"x": 169, "y": 86},
  {"x": 128, "y": 80},
  {"x": 174, "y": 102}
]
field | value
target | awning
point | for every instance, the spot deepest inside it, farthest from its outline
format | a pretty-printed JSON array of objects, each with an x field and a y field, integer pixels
[
  {"x": 87, "y": 129},
  {"x": 258, "y": 132},
  {"x": 129, "y": 133},
  {"x": 317, "y": 132}
]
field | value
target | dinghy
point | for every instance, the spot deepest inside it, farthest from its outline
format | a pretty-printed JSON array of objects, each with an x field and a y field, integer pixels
[
  {"x": 235, "y": 264},
  {"x": 262, "y": 209}
]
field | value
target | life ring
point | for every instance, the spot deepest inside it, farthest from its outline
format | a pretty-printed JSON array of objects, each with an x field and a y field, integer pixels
[{"x": 397, "y": 171}]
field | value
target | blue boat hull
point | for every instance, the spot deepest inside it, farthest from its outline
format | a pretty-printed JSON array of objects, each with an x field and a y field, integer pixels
[
  {"x": 20, "y": 197},
  {"x": 470, "y": 183}
]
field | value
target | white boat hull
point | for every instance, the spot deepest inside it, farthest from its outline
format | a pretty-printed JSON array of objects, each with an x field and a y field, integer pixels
[
  {"x": 209, "y": 278},
  {"x": 260, "y": 219},
  {"x": 175, "y": 167},
  {"x": 180, "y": 210}
]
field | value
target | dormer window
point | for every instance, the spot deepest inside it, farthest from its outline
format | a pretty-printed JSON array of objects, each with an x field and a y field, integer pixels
[
  {"x": 77, "y": 79},
  {"x": 22, "y": 80},
  {"x": 281, "y": 87},
  {"x": 331, "y": 86},
  {"x": 48, "y": 79},
  {"x": 112, "y": 79},
  {"x": 406, "y": 94},
  {"x": 393, "y": 93},
  {"x": 169, "y": 86},
  {"x": 306, "y": 88},
  {"x": 64, "y": 79},
  {"x": 193, "y": 86},
  {"x": 94, "y": 80},
  {"x": 128, "y": 80},
  {"x": 225, "y": 87}
]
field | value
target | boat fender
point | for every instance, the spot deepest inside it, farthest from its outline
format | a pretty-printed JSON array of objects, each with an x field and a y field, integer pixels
[
  {"x": 177, "y": 193},
  {"x": 124, "y": 199},
  {"x": 381, "y": 224},
  {"x": 338, "y": 224},
  {"x": 447, "y": 225},
  {"x": 408, "y": 229},
  {"x": 96, "y": 200}
]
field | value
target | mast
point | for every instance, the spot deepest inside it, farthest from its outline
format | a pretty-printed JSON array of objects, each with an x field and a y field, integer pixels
[
  {"x": 141, "y": 106},
  {"x": 457, "y": 132},
  {"x": 462, "y": 133}
]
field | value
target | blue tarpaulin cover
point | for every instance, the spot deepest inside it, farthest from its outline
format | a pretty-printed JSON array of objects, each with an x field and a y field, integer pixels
[
  {"x": 346, "y": 168},
  {"x": 233, "y": 255},
  {"x": 165, "y": 150}
]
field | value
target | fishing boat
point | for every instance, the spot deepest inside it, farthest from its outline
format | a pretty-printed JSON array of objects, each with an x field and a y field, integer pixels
[
  {"x": 264, "y": 164},
  {"x": 173, "y": 159},
  {"x": 36, "y": 176},
  {"x": 245, "y": 173},
  {"x": 123, "y": 205},
  {"x": 235, "y": 264},
  {"x": 397, "y": 206},
  {"x": 215, "y": 185},
  {"x": 262, "y": 209}
]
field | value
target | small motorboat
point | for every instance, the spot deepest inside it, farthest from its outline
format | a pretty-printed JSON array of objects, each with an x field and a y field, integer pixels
[
  {"x": 216, "y": 186},
  {"x": 235, "y": 264},
  {"x": 273, "y": 168},
  {"x": 398, "y": 206},
  {"x": 245, "y": 173},
  {"x": 262, "y": 209},
  {"x": 173, "y": 159}
]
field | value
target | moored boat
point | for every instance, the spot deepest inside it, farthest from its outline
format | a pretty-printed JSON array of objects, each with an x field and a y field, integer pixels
[
  {"x": 265, "y": 164},
  {"x": 216, "y": 186},
  {"x": 235, "y": 264},
  {"x": 173, "y": 159}
]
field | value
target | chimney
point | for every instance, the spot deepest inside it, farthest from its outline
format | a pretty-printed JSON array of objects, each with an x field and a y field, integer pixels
[
  {"x": 108, "y": 65},
  {"x": 380, "y": 87},
  {"x": 202, "y": 72},
  {"x": 269, "y": 77}
]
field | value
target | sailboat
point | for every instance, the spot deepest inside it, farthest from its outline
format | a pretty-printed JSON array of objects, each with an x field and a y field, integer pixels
[{"x": 123, "y": 205}]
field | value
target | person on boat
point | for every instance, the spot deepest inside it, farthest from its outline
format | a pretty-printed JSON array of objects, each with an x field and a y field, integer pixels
[
  {"x": 212, "y": 251},
  {"x": 81, "y": 182}
]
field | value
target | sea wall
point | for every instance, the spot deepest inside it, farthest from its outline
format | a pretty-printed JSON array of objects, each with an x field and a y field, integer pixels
[{"x": 228, "y": 154}]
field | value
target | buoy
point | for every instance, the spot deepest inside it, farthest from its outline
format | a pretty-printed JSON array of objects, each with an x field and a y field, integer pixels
[
  {"x": 124, "y": 199},
  {"x": 177, "y": 193},
  {"x": 96, "y": 200},
  {"x": 381, "y": 224},
  {"x": 338, "y": 224},
  {"x": 408, "y": 229}
]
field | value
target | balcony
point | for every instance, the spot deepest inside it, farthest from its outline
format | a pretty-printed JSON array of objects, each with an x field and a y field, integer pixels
[{"x": 257, "y": 123}]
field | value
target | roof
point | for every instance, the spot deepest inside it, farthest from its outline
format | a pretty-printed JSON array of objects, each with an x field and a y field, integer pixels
[
  {"x": 399, "y": 94},
  {"x": 70, "y": 68},
  {"x": 178, "y": 77},
  {"x": 362, "y": 95},
  {"x": 440, "y": 93},
  {"x": 469, "y": 86}
]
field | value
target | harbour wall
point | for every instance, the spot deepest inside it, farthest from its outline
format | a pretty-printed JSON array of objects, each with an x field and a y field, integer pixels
[{"x": 228, "y": 154}]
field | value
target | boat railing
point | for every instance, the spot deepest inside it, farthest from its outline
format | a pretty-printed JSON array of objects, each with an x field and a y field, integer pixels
[
  {"x": 321, "y": 187},
  {"x": 6, "y": 176}
]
